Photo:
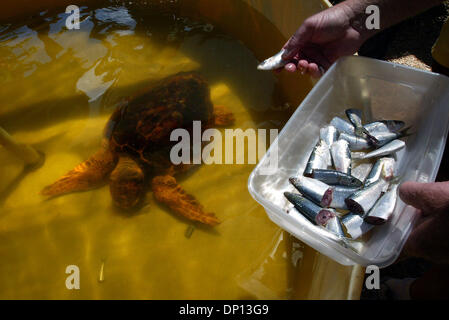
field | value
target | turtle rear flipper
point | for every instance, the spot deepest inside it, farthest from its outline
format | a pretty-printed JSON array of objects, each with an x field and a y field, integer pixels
[
  {"x": 90, "y": 174},
  {"x": 167, "y": 191}
]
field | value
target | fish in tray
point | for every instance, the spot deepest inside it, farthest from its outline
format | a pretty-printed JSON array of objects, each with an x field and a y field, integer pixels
[
  {"x": 386, "y": 150},
  {"x": 339, "y": 196},
  {"x": 323, "y": 194},
  {"x": 341, "y": 156},
  {"x": 323, "y": 217},
  {"x": 363, "y": 200},
  {"x": 355, "y": 143},
  {"x": 383, "y": 168},
  {"x": 355, "y": 225},
  {"x": 329, "y": 134},
  {"x": 384, "y": 207},
  {"x": 342, "y": 126},
  {"x": 314, "y": 190},
  {"x": 355, "y": 116},
  {"x": 387, "y": 137},
  {"x": 335, "y": 226},
  {"x": 338, "y": 201},
  {"x": 336, "y": 178},
  {"x": 384, "y": 126},
  {"x": 320, "y": 158},
  {"x": 310, "y": 210}
]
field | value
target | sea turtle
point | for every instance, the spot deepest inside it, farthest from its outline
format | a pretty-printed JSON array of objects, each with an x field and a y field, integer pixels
[{"x": 135, "y": 150}]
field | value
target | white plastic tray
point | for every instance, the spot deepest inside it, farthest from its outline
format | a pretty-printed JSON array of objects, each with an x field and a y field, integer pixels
[{"x": 384, "y": 91}]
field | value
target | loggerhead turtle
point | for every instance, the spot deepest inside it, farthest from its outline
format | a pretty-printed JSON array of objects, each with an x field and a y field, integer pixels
[{"x": 136, "y": 147}]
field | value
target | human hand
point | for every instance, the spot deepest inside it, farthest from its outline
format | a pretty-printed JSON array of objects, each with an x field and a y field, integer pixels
[
  {"x": 429, "y": 239},
  {"x": 322, "y": 39}
]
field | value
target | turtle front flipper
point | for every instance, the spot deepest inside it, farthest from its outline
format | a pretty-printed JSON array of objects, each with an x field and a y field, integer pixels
[
  {"x": 90, "y": 174},
  {"x": 167, "y": 191}
]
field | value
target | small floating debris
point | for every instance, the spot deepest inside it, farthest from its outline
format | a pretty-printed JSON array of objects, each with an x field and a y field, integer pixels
[
  {"x": 101, "y": 275},
  {"x": 189, "y": 231}
]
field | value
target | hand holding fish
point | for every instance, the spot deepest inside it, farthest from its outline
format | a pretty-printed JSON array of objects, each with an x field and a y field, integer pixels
[
  {"x": 429, "y": 239},
  {"x": 321, "y": 40},
  {"x": 340, "y": 31}
]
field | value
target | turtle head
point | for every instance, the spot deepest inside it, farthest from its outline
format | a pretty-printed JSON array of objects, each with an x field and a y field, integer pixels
[{"x": 127, "y": 183}]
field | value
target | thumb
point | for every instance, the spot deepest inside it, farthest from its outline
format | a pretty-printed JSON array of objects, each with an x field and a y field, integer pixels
[
  {"x": 429, "y": 197},
  {"x": 297, "y": 41}
]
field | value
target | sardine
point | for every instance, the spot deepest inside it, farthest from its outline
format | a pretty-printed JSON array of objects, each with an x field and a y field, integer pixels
[
  {"x": 363, "y": 200},
  {"x": 101, "y": 275},
  {"x": 355, "y": 225},
  {"x": 384, "y": 126},
  {"x": 319, "y": 159},
  {"x": 273, "y": 63},
  {"x": 384, "y": 207},
  {"x": 341, "y": 156},
  {"x": 334, "y": 225},
  {"x": 342, "y": 125},
  {"x": 375, "y": 173},
  {"x": 339, "y": 196},
  {"x": 329, "y": 134},
  {"x": 383, "y": 168},
  {"x": 386, "y": 137},
  {"x": 314, "y": 190},
  {"x": 355, "y": 116},
  {"x": 336, "y": 178},
  {"x": 310, "y": 210},
  {"x": 386, "y": 150},
  {"x": 355, "y": 143}
]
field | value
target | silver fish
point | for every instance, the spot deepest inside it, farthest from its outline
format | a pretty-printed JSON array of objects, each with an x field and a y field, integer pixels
[
  {"x": 336, "y": 178},
  {"x": 384, "y": 126},
  {"x": 355, "y": 116},
  {"x": 334, "y": 225},
  {"x": 339, "y": 196},
  {"x": 310, "y": 210},
  {"x": 363, "y": 200},
  {"x": 319, "y": 159},
  {"x": 314, "y": 190},
  {"x": 386, "y": 150},
  {"x": 376, "y": 172},
  {"x": 355, "y": 143},
  {"x": 273, "y": 63},
  {"x": 355, "y": 225},
  {"x": 342, "y": 125},
  {"x": 341, "y": 156},
  {"x": 385, "y": 137},
  {"x": 384, "y": 207},
  {"x": 329, "y": 134}
]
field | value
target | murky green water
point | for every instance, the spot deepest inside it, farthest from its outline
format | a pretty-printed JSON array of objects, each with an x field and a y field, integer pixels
[{"x": 58, "y": 88}]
